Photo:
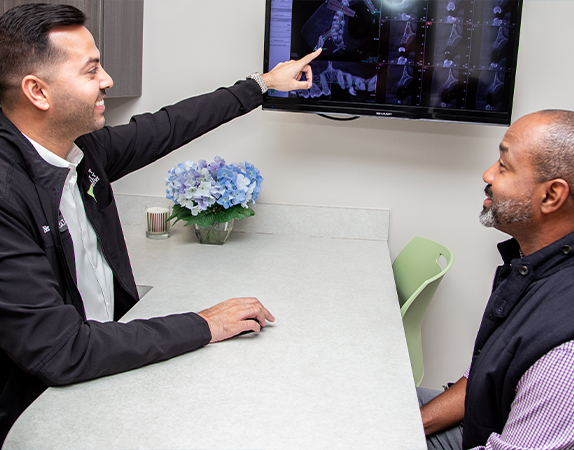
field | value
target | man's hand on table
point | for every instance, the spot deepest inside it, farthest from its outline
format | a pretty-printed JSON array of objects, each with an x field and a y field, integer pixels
[{"x": 234, "y": 316}]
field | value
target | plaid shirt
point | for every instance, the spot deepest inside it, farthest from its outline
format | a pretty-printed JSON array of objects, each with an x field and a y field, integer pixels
[{"x": 542, "y": 413}]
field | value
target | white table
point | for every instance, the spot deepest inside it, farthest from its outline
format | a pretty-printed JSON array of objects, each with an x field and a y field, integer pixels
[{"x": 331, "y": 373}]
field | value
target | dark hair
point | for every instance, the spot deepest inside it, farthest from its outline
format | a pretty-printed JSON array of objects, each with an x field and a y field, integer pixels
[
  {"x": 554, "y": 153},
  {"x": 24, "y": 41}
]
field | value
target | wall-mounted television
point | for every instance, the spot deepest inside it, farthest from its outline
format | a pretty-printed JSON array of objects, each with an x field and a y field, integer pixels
[{"x": 448, "y": 60}]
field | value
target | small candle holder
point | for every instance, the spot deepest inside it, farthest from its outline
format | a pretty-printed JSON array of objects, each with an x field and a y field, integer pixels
[{"x": 157, "y": 225}]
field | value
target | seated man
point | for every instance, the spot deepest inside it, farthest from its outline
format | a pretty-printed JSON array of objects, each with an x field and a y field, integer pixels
[
  {"x": 519, "y": 390},
  {"x": 65, "y": 275}
]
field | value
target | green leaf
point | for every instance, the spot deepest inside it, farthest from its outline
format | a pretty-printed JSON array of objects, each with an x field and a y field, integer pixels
[
  {"x": 235, "y": 212},
  {"x": 215, "y": 213},
  {"x": 204, "y": 219},
  {"x": 179, "y": 212}
]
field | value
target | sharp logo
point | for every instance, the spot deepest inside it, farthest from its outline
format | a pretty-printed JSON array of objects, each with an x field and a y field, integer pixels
[{"x": 384, "y": 113}]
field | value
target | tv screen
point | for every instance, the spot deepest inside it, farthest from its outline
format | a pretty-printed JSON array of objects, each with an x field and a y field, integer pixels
[{"x": 448, "y": 60}]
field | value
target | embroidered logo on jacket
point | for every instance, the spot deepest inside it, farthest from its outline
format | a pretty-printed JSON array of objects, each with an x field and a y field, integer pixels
[
  {"x": 93, "y": 181},
  {"x": 62, "y": 225},
  {"x": 46, "y": 229}
]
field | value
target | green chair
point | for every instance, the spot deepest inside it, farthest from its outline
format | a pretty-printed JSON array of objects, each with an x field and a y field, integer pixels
[{"x": 417, "y": 275}]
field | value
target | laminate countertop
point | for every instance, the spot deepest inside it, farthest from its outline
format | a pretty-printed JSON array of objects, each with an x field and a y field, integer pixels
[{"x": 332, "y": 372}]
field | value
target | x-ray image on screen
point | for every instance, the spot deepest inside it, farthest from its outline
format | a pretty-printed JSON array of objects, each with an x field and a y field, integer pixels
[
  {"x": 403, "y": 85},
  {"x": 421, "y": 59},
  {"x": 499, "y": 46},
  {"x": 494, "y": 46},
  {"x": 343, "y": 81},
  {"x": 451, "y": 11},
  {"x": 404, "y": 10},
  {"x": 450, "y": 44},
  {"x": 404, "y": 41},
  {"x": 449, "y": 89},
  {"x": 492, "y": 90},
  {"x": 344, "y": 29},
  {"x": 498, "y": 12}
]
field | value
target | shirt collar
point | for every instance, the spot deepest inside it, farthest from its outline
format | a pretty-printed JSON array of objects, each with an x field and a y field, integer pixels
[{"x": 73, "y": 157}]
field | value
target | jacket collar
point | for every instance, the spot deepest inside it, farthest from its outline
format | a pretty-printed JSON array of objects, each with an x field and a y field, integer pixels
[
  {"x": 509, "y": 250},
  {"x": 544, "y": 261},
  {"x": 43, "y": 173}
]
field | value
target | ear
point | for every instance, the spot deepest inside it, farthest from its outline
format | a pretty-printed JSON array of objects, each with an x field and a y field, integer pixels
[
  {"x": 36, "y": 91},
  {"x": 557, "y": 192}
]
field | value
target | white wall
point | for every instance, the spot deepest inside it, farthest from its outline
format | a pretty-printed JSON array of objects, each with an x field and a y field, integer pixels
[{"x": 428, "y": 174}]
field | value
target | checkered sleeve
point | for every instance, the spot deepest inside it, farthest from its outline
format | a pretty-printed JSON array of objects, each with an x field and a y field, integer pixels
[{"x": 542, "y": 413}]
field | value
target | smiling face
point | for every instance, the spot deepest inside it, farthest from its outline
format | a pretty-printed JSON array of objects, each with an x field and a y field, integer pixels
[
  {"x": 511, "y": 187},
  {"x": 77, "y": 84}
]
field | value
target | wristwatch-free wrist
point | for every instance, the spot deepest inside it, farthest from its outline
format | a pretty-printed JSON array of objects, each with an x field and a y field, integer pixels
[{"x": 257, "y": 77}]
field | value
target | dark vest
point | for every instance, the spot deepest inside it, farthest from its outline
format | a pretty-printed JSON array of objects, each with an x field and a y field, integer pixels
[{"x": 530, "y": 311}]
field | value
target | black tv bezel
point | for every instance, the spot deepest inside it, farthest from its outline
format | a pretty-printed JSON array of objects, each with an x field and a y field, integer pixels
[{"x": 426, "y": 113}]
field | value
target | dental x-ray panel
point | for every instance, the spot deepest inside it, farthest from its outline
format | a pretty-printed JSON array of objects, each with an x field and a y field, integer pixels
[{"x": 450, "y": 60}]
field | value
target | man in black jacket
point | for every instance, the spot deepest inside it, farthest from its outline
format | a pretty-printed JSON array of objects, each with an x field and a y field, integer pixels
[{"x": 65, "y": 275}]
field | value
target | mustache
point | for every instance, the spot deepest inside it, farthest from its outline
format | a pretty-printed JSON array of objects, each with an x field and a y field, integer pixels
[{"x": 488, "y": 191}]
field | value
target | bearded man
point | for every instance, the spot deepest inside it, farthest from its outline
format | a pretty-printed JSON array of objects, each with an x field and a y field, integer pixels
[
  {"x": 519, "y": 390},
  {"x": 65, "y": 274}
]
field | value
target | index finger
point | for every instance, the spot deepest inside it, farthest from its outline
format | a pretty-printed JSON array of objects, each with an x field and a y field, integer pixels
[
  {"x": 262, "y": 315},
  {"x": 267, "y": 315},
  {"x": 311, "y": 56}
]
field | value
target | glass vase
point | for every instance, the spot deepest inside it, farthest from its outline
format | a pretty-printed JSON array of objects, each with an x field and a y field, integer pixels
[{"x": 217, "y": 233}]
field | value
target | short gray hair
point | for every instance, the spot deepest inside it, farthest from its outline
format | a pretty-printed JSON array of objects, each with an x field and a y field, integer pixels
[{"x": 554, "y": 154}]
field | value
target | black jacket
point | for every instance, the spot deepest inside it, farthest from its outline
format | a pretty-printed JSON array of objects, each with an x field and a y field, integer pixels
[
  {"x": 45, "y": 339},
  {"x": 529, "y": 313}
]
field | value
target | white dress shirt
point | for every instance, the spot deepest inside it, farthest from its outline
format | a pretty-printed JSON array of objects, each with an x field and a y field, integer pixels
[{"x": 94, "y": 276}]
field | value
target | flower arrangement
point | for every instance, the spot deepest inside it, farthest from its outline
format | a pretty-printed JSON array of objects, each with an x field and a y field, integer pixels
[{"x": 216, "y": 192}]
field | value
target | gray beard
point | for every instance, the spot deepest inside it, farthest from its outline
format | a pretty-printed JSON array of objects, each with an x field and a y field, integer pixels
[{"x": 505, "y": 212}]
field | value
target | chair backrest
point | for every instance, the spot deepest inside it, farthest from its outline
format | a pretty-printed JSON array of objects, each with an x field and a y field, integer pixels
[{"x": 417, "y": 275}]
